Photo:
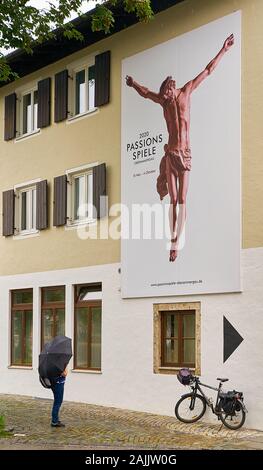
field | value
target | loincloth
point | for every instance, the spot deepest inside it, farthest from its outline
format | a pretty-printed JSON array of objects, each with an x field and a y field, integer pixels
[{"x": 179, "y": 161}]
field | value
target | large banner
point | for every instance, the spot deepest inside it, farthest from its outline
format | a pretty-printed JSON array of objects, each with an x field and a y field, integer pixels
[{"x": 181, "y": 164}]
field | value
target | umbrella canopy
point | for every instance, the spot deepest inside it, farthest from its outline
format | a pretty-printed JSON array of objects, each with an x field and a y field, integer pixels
[{"x": 55, "y": 357}]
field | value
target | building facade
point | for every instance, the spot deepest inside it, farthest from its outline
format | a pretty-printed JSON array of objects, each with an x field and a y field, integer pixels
[{"x": 62, "y": 137}]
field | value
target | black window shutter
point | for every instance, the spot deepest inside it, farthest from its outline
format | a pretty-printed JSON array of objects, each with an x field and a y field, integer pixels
[
  {"x": 10, "y": 116},
  {"x": 99, "y": 189},
  {"x": 42, "y": 205},
  {"x": 8, "y": 212},
  {"x": 44, "y": 98},
  {"x": 61, "y": 96},
  {"x": 102, "y": 78},
  {"x": 60, "y": 201}
]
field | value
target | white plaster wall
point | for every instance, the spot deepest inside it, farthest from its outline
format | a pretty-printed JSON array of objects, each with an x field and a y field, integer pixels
[{"x": 127, "y": 378}]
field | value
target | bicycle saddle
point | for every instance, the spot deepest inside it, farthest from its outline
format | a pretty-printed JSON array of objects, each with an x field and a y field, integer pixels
[{"x": 222, "y": 380}]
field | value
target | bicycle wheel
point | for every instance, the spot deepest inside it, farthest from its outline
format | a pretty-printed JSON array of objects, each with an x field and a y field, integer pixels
[
  {"x": 183, "y": 411},
  {"x": 234, "y": 420}
]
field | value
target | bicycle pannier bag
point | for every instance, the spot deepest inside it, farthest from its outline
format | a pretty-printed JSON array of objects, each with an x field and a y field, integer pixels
[
  {"x": 228, "y": 403},
  {"x": 184, "y": 376}
]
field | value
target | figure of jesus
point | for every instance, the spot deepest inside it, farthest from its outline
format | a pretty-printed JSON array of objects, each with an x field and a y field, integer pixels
[{"x": 175, "y": 165}]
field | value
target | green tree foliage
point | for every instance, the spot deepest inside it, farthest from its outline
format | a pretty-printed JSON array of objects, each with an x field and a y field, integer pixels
[{"x": 24, "y": 26}]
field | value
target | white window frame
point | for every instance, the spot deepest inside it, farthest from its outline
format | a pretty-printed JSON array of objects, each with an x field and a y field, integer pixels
[
  {"x": 31, "y": 218},
  {"x": 72, "y": 175},
  {"x": 73, "y": 70},
  {"x": 34, "y": 128}
]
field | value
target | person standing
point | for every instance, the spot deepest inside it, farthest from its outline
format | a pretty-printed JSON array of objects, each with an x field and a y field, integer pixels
[
  {"x": 57, "y": 387},
  {"x": 175, "y": 165}
]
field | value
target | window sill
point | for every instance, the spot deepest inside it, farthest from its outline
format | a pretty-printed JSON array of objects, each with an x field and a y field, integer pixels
[
  {"x": 173, "y": 370},
  {"x": 82, "y": 115},
  {"x": 23, "y": 236},
  {"x": 21, "y": 367},
  {"x": 76, "y": 225},
  {"x": 86, "y": 371},
  {"x": 26, "y": 136}
]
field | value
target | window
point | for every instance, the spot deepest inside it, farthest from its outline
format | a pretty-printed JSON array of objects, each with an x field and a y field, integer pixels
[
  {"x": 87, "y": 342},
  {"x": 21, "y": 327},
  {"x": 87, "y": 89},
  {"x": 178, "y": 339},
  {"x": 26, "y": 209},
  {"x": 176, "y": 336},
  {"x": 84, "y": 90},
  {"x": 29, "y": 104},
  {"x": 81, "y": 195},
  {"x": 52, "y": 313}
]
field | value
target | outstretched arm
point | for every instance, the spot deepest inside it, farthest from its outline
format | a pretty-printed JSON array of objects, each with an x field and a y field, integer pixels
[
  {"x": 193, "y": 84},
  {"x": 142, "y": 90}
]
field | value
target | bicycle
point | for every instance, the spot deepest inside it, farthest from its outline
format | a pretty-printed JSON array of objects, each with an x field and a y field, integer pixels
[{"x": 191, "y": 407}]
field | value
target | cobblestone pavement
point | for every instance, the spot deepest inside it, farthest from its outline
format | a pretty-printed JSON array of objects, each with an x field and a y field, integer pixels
[{"x": 97, "y": 427}]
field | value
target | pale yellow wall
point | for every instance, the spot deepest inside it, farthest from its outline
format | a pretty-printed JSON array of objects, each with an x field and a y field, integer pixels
[{"x": 97, "y": 138}]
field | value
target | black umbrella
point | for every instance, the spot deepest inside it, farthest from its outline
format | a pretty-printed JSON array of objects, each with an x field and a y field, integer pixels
[{"x": 55, "y": 357}]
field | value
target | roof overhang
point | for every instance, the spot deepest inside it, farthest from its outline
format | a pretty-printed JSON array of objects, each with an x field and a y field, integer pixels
[{"x": 59, "y": 47}]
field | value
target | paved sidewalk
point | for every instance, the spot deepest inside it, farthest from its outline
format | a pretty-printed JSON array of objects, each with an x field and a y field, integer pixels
[{"x": 97, "y": 427}]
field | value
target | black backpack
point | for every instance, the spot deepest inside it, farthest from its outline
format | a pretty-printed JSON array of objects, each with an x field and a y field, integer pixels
[{"x": 45, "y": 382}]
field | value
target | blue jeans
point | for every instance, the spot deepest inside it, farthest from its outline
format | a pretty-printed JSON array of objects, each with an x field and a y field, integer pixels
[{"x": 58, "y": 391}]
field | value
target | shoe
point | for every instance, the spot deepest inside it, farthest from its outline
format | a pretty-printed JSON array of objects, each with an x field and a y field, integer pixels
[{"x": 57, "y": 425}]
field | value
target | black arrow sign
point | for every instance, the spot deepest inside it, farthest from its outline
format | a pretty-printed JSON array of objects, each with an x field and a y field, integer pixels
[{"x": 232, "y": 339}]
